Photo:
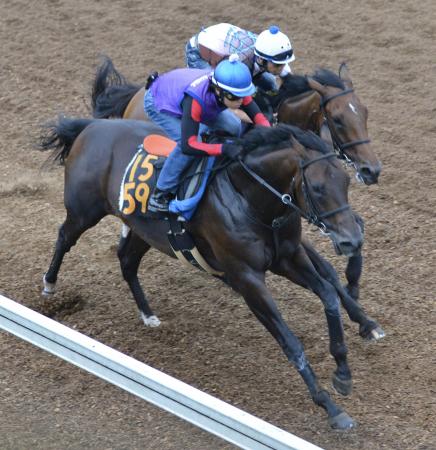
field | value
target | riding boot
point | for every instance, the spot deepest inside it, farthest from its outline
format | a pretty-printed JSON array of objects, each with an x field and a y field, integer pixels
[{"x": 160, "y": 200}]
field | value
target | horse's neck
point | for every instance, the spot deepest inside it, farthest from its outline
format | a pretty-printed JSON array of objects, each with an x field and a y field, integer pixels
[
  {"x": 278, "y": 169},
  {"x": 302, "y": 111}
]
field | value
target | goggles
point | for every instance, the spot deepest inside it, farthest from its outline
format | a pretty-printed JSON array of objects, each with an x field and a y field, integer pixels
[
  {"x": 229, "y": 96},
  {"x": 278, "y": 59},
  {"x": 283, "y": 56}
]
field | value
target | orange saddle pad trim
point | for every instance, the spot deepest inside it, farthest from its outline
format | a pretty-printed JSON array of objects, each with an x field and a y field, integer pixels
[{"x": 158, "y": 145}]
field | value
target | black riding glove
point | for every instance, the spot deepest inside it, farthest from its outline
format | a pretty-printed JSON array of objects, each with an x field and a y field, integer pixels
[{"x": 232, "y": 151}]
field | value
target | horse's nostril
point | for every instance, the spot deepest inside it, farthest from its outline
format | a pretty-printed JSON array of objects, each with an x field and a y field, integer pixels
[
  {"x": 369, "y": 174},
  {"x": 349, "y": 247}
]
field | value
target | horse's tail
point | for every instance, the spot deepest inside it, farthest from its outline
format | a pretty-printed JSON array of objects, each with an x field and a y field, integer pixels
[
  {"x": 60, "y": 136},
  {"x": 111, "y": 92}
]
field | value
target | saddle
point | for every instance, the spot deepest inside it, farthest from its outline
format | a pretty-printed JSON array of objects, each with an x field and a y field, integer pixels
[
  {"x": 139, "y": 179},
  {"x": 142, "y": 173}
]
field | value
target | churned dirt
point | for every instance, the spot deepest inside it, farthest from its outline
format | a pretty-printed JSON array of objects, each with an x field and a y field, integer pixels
[{"x": 208, "y": 338}]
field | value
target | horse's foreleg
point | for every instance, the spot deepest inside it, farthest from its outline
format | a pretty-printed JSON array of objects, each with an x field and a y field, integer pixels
[
  {"x": 353, "y": 271},
  {"x": 69, "y": 232},
  {"x": 252, "y": 287},
  {"x": 131, "y": 249},
  {"x": 299, "y": 269},
  {"x": 368, "y": 328}
]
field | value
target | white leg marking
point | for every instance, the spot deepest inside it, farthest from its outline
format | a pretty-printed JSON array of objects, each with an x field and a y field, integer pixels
[
  {"x": 49, "y": 288},
  {"x": 124, "y": 231},
  {"x": 151, "y": 321}
]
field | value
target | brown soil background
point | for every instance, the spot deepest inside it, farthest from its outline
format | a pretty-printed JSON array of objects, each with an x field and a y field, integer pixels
[{"x": 208, "y": 337}]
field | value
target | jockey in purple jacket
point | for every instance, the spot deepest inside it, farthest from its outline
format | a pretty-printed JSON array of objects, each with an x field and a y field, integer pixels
[{"x": 185, "y": 102}]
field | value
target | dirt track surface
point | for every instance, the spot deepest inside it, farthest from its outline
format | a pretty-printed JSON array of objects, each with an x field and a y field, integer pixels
[{"x": 208, "y": 337}]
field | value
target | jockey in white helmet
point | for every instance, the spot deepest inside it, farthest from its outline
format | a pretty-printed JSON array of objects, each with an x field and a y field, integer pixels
[
  {"x": 267, "y": 55},
  {"x": 274, "y": 51}
]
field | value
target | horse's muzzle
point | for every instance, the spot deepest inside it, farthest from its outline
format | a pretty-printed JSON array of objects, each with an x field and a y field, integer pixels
[
  {"x": 347, "y": 246},
  {"x": 369, "y": 173}
]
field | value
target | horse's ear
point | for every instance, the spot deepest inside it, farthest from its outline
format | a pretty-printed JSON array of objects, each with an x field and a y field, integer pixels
[
  {"x": 318, "y": 87},
  {"x": 344, "y": 75},
  {"x": 325, "y": 135},
  {"x": 297, "y": 148}
]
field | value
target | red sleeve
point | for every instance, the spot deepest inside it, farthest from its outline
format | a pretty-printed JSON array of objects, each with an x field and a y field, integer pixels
[
  {"x": 196, "y": 111},
  {"x": 191, "y": 119},
  {"x": 247, "y": 100},
  {"x": 196, "y": 146},
  {"x": 260, "y": 119},
  {"x": 253, "y": 111}
]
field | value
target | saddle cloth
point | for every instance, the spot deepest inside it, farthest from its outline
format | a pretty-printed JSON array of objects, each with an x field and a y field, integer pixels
[{"x": 142, "y": 172}]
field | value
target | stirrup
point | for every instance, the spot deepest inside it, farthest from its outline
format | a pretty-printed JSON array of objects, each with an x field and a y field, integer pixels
[{"x": 159, "y": 202}]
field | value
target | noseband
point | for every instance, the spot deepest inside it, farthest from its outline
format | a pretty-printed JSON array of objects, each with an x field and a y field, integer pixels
[
  {"x": 338, "y": 146},
  {"x": 313, "y": 216}
]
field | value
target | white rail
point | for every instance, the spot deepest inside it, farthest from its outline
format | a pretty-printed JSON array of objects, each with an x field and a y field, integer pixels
[{"x": 198, "y": 408}]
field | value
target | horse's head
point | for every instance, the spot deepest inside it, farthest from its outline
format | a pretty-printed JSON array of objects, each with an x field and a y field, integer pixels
[
  {"x": 346, "y": 117},
  {"x": 321, "y": 191},
  {"x": 306, "y": 176}
]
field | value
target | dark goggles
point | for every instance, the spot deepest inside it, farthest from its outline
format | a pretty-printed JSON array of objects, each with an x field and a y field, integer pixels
[
  {"x": 276, "y": 59},
  {"x": 230, "y": 96}
]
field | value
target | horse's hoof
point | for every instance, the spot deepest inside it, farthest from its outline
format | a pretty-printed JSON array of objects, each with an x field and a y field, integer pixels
[
  {"x": 374, "y": 334},
  {"x": 342, "y": 422},
  {"x": 49, "y": 288},
  {"x": 150, "y": 321},
  {"x": 343, "y": 387}
]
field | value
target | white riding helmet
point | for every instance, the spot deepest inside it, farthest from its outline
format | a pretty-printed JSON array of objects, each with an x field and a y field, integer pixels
[{"x": 274, "y": 46}]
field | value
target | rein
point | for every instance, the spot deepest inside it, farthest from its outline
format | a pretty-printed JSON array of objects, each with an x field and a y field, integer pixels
[
  {"x": 313, "y": 216},
  {"x": 337, "y": 145}
]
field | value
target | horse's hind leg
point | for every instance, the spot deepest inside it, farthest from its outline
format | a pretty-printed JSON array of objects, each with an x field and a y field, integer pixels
[
  {"x": 368, "y": 328},
  {"x": 69, "y": 232},
  {"x": 131, "y": 249}
]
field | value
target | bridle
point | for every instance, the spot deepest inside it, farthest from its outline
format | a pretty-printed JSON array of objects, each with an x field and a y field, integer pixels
[
  {"x": 337, "y": 145},
  {"x": 313, "y": 216}
]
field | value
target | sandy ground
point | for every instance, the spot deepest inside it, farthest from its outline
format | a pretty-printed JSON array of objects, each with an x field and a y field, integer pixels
[{"x": 208, "y": 338}]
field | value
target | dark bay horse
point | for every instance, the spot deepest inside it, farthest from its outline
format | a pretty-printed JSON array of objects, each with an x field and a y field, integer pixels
[
  {"x": 325, "y": 98},
  {"x": 301, "y": 101},
  {"x": 286, "y": 174},
  {"x": 307, "y": 102}
]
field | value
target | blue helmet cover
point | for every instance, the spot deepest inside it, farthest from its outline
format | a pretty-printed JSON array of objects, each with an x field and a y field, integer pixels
[{"x": 234, "y": 76}]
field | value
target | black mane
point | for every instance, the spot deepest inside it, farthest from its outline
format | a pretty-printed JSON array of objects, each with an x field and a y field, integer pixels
[
  {"x": 328, "y": 78},
  {"x": 275, "y": 138},
  {"x": 294, "y": 85}
]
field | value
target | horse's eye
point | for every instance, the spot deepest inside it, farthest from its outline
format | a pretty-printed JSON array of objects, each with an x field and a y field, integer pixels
[
  {"x": 338, "y": 122},
  {"x": 318, "y": 189}
]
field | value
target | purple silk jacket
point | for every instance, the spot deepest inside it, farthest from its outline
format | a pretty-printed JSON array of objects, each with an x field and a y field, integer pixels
[{"x": 169, "y": 89}]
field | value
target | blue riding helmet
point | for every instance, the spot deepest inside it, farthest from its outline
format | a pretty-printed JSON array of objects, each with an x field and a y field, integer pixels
[{"x": 233, "y": 76}]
